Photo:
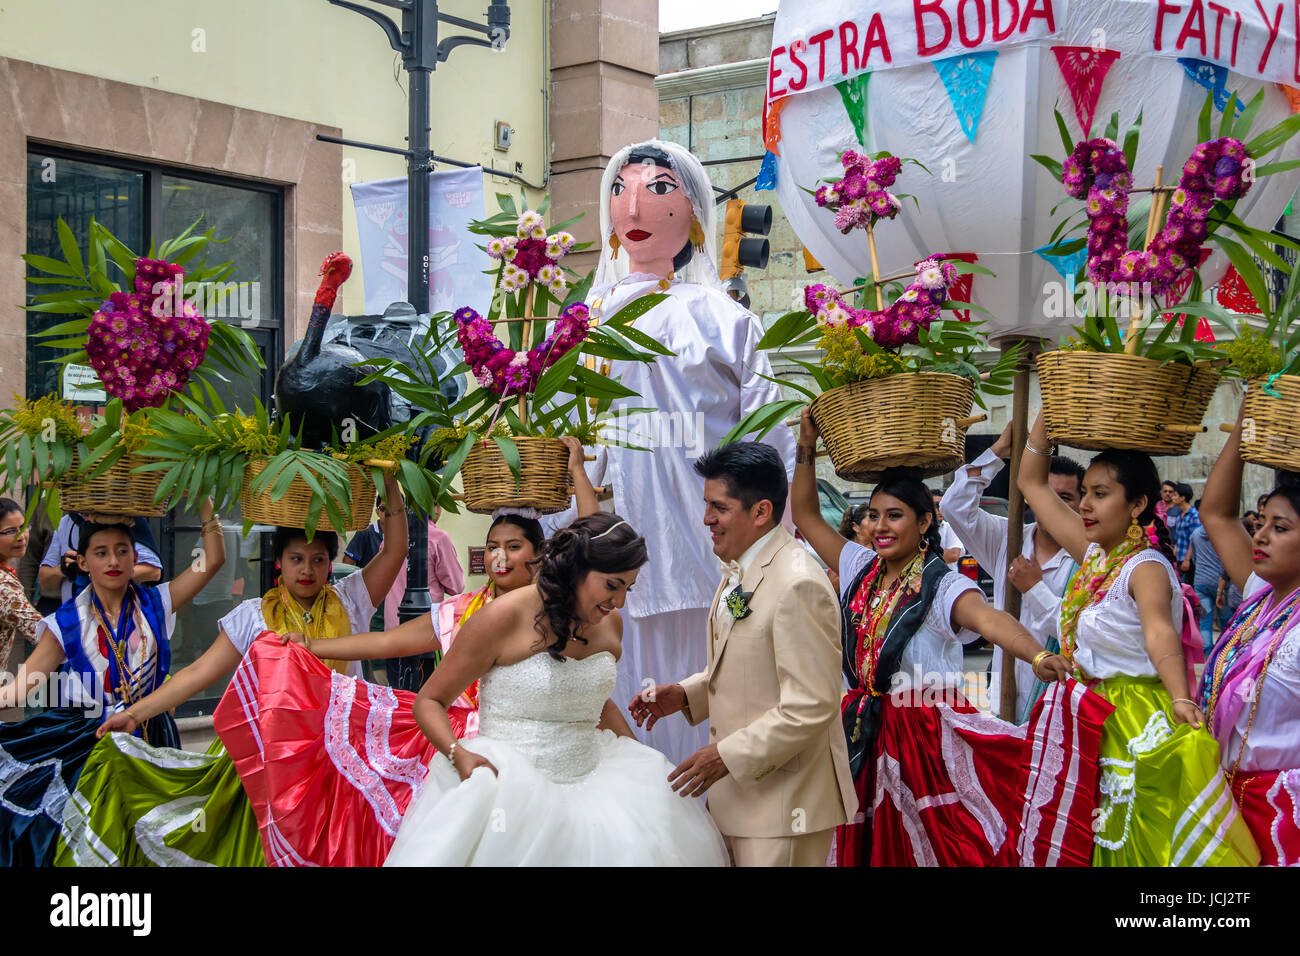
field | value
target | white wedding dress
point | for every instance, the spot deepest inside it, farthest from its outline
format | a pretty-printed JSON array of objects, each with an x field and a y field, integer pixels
[{"x": 565, "y": 793}]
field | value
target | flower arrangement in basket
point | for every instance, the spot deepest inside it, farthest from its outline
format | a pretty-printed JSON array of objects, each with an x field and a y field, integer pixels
[
  {"x": 894, "y": 385},
  {"x": 138, "y": 328},
  {"x": 532, "y": 387},
  {"x": 1134, "y": 378},
  {"x": 1269, "y": 361},
  {"x": 261, "y": 464}
]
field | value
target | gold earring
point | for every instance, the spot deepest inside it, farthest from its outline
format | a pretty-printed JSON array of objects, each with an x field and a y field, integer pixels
[
  {"x": 697, "y": 233},
  {"x": 614, "y": 245},
  {"x": 1135, "y": 531}
]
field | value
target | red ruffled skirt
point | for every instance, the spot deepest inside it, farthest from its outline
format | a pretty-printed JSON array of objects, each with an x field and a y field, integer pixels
[
  {"x": 1270, "y": 803},
  {"x": 955, "y": 787},
  {"x": 330, "y": 763}
]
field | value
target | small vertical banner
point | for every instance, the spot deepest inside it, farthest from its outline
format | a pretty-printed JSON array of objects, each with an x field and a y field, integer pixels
[
  {"x": 1234, "y": 294},
  {"x": 772, "y": 124},
  {"x": 1292, "y": 96},
  {"x": 1083, "y": 70},
  {"x": 964, "y": 289},
  {"x": 966, "y": 78},
  {"x": 766, "y": 173},
  {"x": 853, "y": 92},
  {"x": 1211, "y": 76},
  {"x": 1067, "y": 265}
]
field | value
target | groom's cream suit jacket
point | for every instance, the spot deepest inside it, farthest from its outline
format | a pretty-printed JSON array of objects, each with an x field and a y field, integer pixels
[{"x": 771, "y": 694}]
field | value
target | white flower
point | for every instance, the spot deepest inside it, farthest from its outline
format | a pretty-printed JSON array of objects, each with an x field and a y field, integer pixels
[
  {"x": 528, "y": 223},
  {"x": 930, "y": 275},
  {"x": 835, "y": 315},
  {"x": 553, "y": 248},
  {"x": 538, "y": 232},
  {"x": 567, "y": 241},
  {"x": 521, "y": 358},
  {"x": 496, "y": 248},
  {"x": 484, "y": 379},
  {"x": 909, "y": 295},
  {"x": 558, "y": 288},
  {"x": 549, "y": 273}
]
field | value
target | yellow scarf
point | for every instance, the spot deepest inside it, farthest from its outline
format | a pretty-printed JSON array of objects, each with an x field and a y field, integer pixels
[{"x": 327, "y": 617}]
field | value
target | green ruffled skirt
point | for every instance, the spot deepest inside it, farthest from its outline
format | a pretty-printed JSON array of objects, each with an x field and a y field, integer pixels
[
  {"x": 1164, "y": 800},
  {"x": 137, "y": 805}
]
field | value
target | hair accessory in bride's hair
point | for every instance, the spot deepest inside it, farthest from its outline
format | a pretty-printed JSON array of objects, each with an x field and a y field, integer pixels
[{"x": 607, "y": 531}]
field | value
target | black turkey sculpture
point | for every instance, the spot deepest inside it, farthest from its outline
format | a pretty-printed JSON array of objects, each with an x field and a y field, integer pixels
[{"x": 317, "y": 387}]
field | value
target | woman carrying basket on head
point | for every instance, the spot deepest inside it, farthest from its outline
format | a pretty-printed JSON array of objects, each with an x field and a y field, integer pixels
[
  {"x": 99, "y": 654},
  {"x": 1161, "y": 788},
  {"x": 905, "y": 619},
  {"x": 124, "y": 788},
  {"x": 1251, "y": 686}
]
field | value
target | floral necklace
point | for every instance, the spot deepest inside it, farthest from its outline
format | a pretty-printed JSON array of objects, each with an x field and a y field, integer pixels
[
  {"x": 128, "y": 687},
  {"x": 1092, "y": 582},
  {"x": 874, "y": 610}
]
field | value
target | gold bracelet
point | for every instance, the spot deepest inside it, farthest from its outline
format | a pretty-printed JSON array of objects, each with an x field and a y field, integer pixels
[
  {"x": 1184, "y": 700},
  {"x": 1166, "y": 657},
  {"x": 212, "y": 524},
  {"x": 1038, "y": 659}
]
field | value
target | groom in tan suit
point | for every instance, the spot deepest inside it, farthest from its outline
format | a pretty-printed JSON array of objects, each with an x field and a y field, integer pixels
[{"x": 776, "y": 769}]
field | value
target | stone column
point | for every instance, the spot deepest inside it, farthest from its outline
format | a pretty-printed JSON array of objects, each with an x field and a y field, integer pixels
[{"x": 604, "y": 57}]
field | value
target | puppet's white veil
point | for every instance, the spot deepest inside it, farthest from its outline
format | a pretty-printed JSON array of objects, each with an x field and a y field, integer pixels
[{"x": 702, "y": 268}]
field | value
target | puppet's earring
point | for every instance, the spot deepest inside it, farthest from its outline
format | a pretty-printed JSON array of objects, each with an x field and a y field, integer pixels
[{"x": 697, "y": 233}]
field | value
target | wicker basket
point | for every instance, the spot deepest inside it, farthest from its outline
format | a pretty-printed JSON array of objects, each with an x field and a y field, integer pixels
[
  {"x": 912, "y": 419},
  {"x": 291, "y": 510},
  {"x": 543, "y": 477},
  {"x": 1272, "y": 424},
  {"x": 1098, "y": 400},
  {"x": 116, "y": 492}
]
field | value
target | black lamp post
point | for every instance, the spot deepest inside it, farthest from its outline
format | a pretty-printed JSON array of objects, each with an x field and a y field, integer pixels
[{"x": 417, "y": 42}]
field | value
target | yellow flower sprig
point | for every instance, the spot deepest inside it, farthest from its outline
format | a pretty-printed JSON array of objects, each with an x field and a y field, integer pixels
[
  {"x": 844, "y": 356},
  {"x": 35, "y": 417}
]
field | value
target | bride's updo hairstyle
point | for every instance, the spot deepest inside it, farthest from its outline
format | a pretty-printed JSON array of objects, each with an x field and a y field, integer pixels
[{"x": 602, "y": 542}]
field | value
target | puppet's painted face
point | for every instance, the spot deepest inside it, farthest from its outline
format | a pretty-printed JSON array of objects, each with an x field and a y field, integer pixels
[{"x": 651, "y": 213}]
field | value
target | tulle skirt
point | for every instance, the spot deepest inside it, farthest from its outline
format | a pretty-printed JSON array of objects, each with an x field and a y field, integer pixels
[{"x": 623, "y": 813}]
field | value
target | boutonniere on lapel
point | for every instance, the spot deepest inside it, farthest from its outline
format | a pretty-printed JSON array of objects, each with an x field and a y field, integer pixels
[{"x": 738, "y": 603}]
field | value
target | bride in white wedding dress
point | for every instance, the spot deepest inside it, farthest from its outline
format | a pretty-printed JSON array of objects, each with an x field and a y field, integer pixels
[{"x": 554, "y": 777}]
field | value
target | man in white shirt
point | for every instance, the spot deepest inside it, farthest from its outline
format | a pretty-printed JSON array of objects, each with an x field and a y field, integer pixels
[
  {"x": 1040, "y": 573},
  {"x": 948, "y": 538}
]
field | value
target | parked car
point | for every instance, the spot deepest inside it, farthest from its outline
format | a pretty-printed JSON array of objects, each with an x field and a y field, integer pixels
[{"x": 832, "y": 502}]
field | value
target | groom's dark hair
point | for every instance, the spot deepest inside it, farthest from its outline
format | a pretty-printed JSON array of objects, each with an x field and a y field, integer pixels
[{"x": 751, "y": 471}]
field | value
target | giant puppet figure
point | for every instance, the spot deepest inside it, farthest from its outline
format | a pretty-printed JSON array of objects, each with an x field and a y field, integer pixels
[{"x": 658, "y": 235}]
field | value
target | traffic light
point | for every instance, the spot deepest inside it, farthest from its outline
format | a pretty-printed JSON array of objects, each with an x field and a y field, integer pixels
[{"x": 740, "y": 249}]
